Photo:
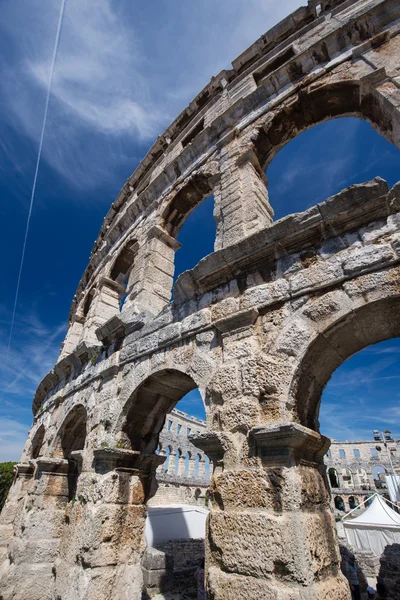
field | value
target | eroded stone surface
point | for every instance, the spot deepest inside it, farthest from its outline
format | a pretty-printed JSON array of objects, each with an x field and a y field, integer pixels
[{"x": 258, "y": 326}]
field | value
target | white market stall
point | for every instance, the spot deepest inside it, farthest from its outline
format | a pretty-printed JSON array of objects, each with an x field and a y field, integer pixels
[
  {"x": 175, "y": 522},
  {"x": 377, "y": 527}
]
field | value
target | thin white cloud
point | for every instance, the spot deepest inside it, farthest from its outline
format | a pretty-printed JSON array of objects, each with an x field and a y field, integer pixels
[
  {"x": 122, "y": 73},
  {"x": 13, "y": 435}
]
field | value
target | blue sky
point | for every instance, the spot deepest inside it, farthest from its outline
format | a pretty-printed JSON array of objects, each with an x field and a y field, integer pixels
[{"x": 124, "y": 71}]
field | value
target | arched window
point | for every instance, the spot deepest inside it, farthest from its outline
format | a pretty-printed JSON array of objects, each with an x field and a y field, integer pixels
[
  {"x": 197, "y": 466},
  {"x": 333, "y": 477},
  {"x": 37, "y": 442},
  {"x": 71, "y": 438},
  {"x": 122, "y": 268},
  {"x": 347, "y": 477},
  {"x": 378, "y": 473},
  {"x": 207, "y": 467},
  {"x": 353, "y": 502},
  {"x": 339, "y": 504}
]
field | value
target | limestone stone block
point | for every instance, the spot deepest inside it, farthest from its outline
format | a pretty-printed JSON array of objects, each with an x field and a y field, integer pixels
[
  {"x": 196, "y": 321},
  {"x": 316, "y": 276},
  {"x": 367, "y": 257},
  {"x": 243, "y": 489},
  {"x": 266, "y": 294}
]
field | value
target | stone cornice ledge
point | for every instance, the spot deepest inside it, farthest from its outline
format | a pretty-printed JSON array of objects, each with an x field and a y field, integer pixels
[
  {"x": 348, "y": 210},
  {"x": 288, "y": 443}
]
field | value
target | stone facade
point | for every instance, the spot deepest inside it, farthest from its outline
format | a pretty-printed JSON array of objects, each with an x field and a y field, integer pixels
[
  {"x": 258, "y": 326},
  {"x": 352, "y": 469}
]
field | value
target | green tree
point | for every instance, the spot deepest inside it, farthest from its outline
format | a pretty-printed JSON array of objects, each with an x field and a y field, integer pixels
[{"x": 6, "y": 479}]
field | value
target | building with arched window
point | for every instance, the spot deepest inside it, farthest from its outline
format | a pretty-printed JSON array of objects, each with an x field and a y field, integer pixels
[{"x": 357, "y": 469}]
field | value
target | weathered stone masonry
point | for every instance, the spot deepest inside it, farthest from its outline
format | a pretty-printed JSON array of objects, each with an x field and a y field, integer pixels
[{"x": 258, "y": 326}]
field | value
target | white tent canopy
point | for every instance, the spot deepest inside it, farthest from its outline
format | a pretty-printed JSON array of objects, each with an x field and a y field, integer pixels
[{"x": 376, "y": 528}]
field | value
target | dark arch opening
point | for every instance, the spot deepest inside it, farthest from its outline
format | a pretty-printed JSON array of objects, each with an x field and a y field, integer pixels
[
  {"x": 184, "y": 202},
  {"x": 71, "y": 438},
  {"x": 146, "y": 410},
  {"x": 189, "y": 218},
  {"x": 122, "y": 268},
  {"x": 333, "y": 477},
  {"x": 37, "y": 442},
  {"x": 353, "y": 502},
  {"x": 339, "y": 504}
]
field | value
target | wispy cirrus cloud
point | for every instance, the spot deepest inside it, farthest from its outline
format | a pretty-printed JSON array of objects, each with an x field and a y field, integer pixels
[{"x": 123, "y": 72}]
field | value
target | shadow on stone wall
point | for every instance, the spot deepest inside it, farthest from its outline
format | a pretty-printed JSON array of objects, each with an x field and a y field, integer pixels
[
  {"x": 389, "y": 573},
  {"x": 345, "y": 554}
]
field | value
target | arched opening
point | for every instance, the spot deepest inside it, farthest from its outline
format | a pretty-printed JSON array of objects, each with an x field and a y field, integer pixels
[
  {"x": 339, "y": 504},
  {"x": 340, "y": 119},
  {"x": 197, "y": 465},
  {"x": 353, "y": 502},
  {"x": 37, "y": 442},
  {"x": 347, "y": 478},
  {"x": 362, "y": 327},
  {"x": 189, "y": 218},
  {"x": 188, "y": 457},
  {"x": 178, "y": 457},
  {"x": 145, "y": 412},
  {"x": 122, "y": 268},
  {"x": 71, "y": 438},
  {"x": 197, "y": 237},
  {"x": 356, "y": 373},
  {"x": 363, "y": 479},
  {"x": 333, "y": 478},
  {"x": 88, "y": 301},
  {"x": 300, "y": 175},
  {"x": 378, "y": 473}
]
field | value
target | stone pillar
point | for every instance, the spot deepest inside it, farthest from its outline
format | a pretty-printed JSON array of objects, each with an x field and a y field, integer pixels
[
  {"x": 202, "y": 468},
  {"x": 73, "y": 337},
  {"x": 270, "y": 532},
  {"x": 241, "y": 198},
  {"x": 182, "y": 466},
  {"x": 36, "y": 540},
  {"x": 151, "y": 279},
  {"x": 10, "y": 516},
  {"x": 105, "y": 304},
  {"x": 161, "y": 466},
  {"x": 192, "y": 467},
  {"x": 103, "y": 533}
]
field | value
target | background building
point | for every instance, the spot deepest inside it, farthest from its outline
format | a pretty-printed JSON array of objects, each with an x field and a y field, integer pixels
[{"x": 357, "y": 469}]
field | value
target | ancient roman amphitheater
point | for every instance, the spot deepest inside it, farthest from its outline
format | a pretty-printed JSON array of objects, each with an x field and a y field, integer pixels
[{"x": 258, "y": 326}]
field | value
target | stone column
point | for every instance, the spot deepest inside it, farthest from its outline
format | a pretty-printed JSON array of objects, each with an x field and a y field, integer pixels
[
  {"x": 241, "y": 198},
  {"x": 105, "y": 304},
  {"x": 271, "y": 533},
  {"x": 103, "y": 534},
  {"x": 202, "y": 468},
  {"x": 36, "y": 540},
  {"x": 10, "y": 516},
  {"x": 192, "y": 467},
  {"x": 151, "y": 279}
]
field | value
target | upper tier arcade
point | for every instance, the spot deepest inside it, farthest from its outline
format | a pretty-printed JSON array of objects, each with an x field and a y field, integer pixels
[{"x": 222, "y": 143}]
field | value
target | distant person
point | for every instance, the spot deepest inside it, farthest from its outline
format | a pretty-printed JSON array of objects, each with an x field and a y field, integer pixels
[
  {"x": 199, "y": 576},
  {"x": 371, "y": 593},
  {"x": 352, "y": 576}
]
